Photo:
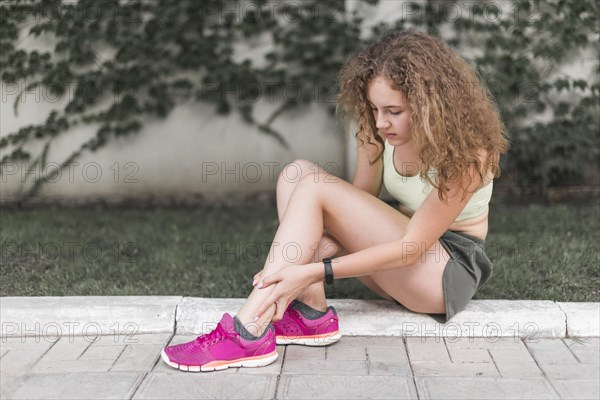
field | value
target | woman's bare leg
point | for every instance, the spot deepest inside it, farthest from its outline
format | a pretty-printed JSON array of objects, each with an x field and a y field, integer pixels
[
  {"x": 358, "y": 221},
  {"x": 327, "y": 246},
  {"x": 299, "y": 233},
  {"x": 314, "y": 296}
]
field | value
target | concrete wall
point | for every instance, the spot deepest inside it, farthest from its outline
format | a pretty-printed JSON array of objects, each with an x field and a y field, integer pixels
[{"x": 194, "y": 153}]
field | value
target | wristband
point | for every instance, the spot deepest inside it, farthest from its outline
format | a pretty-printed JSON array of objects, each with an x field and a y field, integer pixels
[{"x": 328, "y": 271}]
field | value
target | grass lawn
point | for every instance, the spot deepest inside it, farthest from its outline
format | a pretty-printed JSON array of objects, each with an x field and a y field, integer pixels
[{"x": 539, "y": 252}]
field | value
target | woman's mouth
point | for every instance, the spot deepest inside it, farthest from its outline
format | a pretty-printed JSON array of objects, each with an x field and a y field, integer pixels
[{"x": 389, "y": 134}]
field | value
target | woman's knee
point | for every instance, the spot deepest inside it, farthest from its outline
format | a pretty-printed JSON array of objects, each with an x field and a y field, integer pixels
[
  {"x": 298, "y": 176},
  {"x": 288, "y": 180},
  {"x": 293, "y": 172}
]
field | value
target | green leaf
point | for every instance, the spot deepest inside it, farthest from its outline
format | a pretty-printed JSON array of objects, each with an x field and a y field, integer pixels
[
  {"x": 561, "y": 84},
  {"x": 580, "y": 83}
]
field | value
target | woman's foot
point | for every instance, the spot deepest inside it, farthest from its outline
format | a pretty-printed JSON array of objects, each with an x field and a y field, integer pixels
[
  {"x": 222, "y": 348},
  {"x": 304, "y": 325}
]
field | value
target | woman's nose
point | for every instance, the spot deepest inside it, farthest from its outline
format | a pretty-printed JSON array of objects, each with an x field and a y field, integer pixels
[{"x": 381, "y": 122}]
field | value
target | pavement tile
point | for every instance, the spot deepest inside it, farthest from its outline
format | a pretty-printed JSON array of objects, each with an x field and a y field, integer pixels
[
  {"x": 328, "y": 367},
  {"x": 577, "y": 389},
  {"x": 371, "y": 341},
  {"x": 483, "y": 343},
  {"x": 137, "y": 358},
  {"x": 551, "y": 351},
  {"x": 427, "y": 349},
  {"x": 26, "y": 342},
  {"x": 296, "y": 352},
  {"x": 469, "y": 355},
  {"x": 8, "y": 384},
  {"x": 483, "y": 388},
  {"x": 458, "y": 370},
  {"x": 76, "y": 386},
  {"x": 388, "y": 361},
  {"x": 587, "y": 356},
  {"x": 19, "y": 362},
  {"x": 345, "y": 387},
  {"x": 102, "y": 352},
  {"x": 570, "y": 371},
  {"x": 515, "y": 363},
  {"x": 345, "y": 353},
  {"x": 126, "y": 339},
  {"x": 391, "y": 354},
  {"x": 586, "y": 342},
  {"x": 586, "y": 350},
  {"x": 211, "y": 385},
  {"x": 68, "y": 348},
  {"x": 71, "y": 366}
]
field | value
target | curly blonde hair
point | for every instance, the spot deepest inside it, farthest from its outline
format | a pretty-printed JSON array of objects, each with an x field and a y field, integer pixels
[{"x": 453, "y": 115}]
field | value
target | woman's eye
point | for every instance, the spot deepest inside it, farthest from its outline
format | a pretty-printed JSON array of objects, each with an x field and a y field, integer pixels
[{"x": 395, "y": 113}]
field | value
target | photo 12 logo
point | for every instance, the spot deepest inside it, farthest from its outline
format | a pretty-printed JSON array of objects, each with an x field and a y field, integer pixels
[
  {"x": 491, "y": 332},
  {"x": 269, "y": 171},
  {"x": 55, "y": 252},
  {"x": 90, "y": 172},
  {"x": 37, "y": 332}
]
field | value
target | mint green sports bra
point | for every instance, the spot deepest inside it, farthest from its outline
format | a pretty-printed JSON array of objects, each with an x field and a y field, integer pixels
[{"x": 411, "y": 191}]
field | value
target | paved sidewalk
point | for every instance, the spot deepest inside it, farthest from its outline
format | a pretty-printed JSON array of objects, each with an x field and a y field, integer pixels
[
  {"x": 109, "y": 347},
  {"x": 359, "y": 367}
]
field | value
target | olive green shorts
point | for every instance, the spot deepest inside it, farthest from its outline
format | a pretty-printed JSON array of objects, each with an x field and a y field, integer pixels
[{"x": 467, "y": 270}]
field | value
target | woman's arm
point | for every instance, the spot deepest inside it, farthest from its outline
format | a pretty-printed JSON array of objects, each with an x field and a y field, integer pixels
[
  {"x": 368, "y": 177},
  {"x": 427, "y": 225}
]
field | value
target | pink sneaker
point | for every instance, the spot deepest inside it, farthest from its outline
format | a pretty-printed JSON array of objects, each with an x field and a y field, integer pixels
[
  {"x": 221, "y": 349},
  {"x": 295, "y": 328}
]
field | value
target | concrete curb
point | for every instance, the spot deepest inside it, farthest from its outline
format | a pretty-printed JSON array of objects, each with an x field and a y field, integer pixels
[
  {"x": 129, "y": 315},
  {"x": 87, "y": 315}
]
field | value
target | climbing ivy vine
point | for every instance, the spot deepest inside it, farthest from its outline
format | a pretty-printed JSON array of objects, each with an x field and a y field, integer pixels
[
  {"x": 128, "y": 62},
  {"x": 553, "y": 118},
  {"x": 164, "y": 53}
]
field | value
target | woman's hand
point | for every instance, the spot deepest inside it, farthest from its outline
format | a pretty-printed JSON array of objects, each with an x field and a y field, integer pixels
[
  {"x": 290, "y": 282},
  {"x": 257, "y": 277}
]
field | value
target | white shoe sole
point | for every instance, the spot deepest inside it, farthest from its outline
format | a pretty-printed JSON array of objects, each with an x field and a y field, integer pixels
[
  {"x": 316, "y": 341},
  {"x": 250, "y": 362}
]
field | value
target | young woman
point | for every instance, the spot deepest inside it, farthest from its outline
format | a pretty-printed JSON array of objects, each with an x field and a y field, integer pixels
[{"x": 428, "y": 129}]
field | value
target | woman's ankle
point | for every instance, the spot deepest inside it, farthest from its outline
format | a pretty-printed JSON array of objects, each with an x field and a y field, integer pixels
[
  {"x": 316, "y": 303},
  {"x": 314, "y": 296}
]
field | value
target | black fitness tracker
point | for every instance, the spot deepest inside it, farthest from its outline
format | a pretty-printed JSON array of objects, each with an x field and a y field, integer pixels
[{"x": 328, "y": 271}]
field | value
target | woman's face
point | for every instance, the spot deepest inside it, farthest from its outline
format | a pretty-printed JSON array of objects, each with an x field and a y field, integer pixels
[{"x": 391, "y": 112}]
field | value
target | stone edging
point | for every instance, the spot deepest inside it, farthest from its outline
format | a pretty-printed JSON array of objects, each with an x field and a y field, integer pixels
[{"x": 130, "y": 315}]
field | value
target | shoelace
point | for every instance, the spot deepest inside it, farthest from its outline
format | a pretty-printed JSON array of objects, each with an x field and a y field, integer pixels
[{"x": 217, "y": 335}]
